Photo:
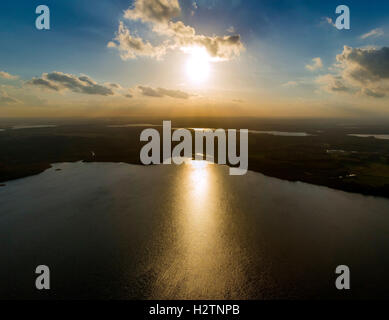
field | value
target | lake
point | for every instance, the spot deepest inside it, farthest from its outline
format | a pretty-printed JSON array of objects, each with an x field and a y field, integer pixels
[
  {"x": 376, "y": 136},
  {"x": 191, "y": 232},
  {"x": 273, "y": 133},
  {"x": 282, "y": 134},
  {"x": 39, "y": 126}
]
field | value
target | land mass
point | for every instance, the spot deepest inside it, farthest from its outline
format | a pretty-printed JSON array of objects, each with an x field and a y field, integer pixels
[{"x": 327, "y": 156}]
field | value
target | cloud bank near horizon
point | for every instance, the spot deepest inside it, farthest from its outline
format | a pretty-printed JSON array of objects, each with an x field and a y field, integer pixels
[{"x": 59, "y": 82}]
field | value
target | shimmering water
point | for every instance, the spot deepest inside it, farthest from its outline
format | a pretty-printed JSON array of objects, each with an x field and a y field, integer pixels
[{"x": 189, "y": 232}]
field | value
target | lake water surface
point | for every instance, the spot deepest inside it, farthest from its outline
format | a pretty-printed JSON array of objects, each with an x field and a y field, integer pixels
[{"x": 189, "y": 232}]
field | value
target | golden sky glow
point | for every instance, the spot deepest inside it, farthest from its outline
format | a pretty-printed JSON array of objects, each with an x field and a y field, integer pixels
[{"x": 176, "y": 58}]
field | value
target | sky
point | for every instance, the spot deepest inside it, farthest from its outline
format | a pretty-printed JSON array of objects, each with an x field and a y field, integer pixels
[{"x": 194, "y": 57}]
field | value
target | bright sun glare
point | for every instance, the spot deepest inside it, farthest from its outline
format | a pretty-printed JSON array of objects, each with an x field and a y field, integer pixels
[{"x": 197, "y": 66}]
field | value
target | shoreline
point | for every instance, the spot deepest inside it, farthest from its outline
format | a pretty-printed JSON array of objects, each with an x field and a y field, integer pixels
[{"x": 266, "y": 172}]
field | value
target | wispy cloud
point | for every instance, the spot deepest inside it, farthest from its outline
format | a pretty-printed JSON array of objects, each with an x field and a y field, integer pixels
[
  {"x": 290, "y": 84},
  {"x": 373, "y": 33},
  {"x": 6, "y": 99},
  {"x": 315, "y": 65},
  {"x": 6, "y": 75},
  {"x": 231, "y": 29},
  {"x": 329, "y": 21}
]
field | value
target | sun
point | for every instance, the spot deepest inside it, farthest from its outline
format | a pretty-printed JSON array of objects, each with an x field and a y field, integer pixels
[{"x": 198, "y": 66}]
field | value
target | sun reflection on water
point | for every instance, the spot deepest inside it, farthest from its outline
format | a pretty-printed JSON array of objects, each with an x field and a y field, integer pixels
[
  {"x": 199, "y": 262},
  {"x": 199, "y": 176}
]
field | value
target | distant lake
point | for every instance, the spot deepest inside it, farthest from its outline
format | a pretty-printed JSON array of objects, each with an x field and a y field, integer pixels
[
  {"x": 165, "y": 232},
  {"x": 376, "y": 136},
  {"x": 33, "y": 126},
  {"x": 274, "y": 133},
  {"x": 280, "y": 133},
  {"x": 133, "y": 125}
]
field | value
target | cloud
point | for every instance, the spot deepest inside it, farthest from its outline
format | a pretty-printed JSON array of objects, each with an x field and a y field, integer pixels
[
  {"x": 59, "y": 81},
  {"x": 6, "y": 75},
  {"x": 219, "y": 48},
  {"x": 114, "y": 85},
  {"x": 290, "y": 84},
  {"x": 131, "y": 47},
  {"x": 316, "y": 64},
  {"x": 6, "y": 99},
  {"x": 363, "y": 71},
  {"x": 157, "y": 11},
  {"x": 195, "y": 7},
  {"x": 177, "y": 94},
  {"x": 44, "y": 84},
  {"x": 332, "y": 83},
  {"x": 373, "y": 33},
  {"x": 159, "y": 14},
  {"x": 161, "y": 92},
  {"x": 373, "y": 93},
  {"x": 231, "y": 29},
  {"x": 363, "y": 65},
  {"x": 329, "y": 21}
]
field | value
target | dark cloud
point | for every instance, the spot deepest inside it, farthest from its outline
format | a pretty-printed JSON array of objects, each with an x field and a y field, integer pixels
[
  {"x": 58, "y": 81},
  {"x": 373, "y": 93},
  {"x": 150, "y": 92},
  {"x": 177, "y": 94},
  {"x": 363, "y": 71},
  {"x": 371, "y": 64},
  {"x": 114, "y": 85},
  {"x": 43, "y": 83},
  {"x": 161, "y": 92}
]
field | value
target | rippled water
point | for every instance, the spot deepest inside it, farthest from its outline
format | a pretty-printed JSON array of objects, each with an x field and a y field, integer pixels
[{"x": 166, "y": 232}]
